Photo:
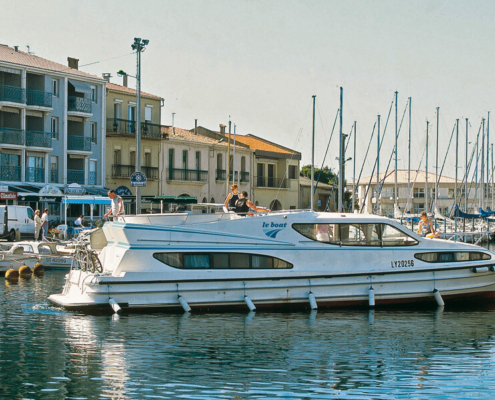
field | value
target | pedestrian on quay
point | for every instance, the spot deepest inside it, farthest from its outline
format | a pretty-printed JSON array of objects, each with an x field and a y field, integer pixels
[
  {"x": 79, "y": 222},
  {"x": 45, "y": 224},
  {"x": 116, "y": 207},
  {"x": 37, "y": 225}
]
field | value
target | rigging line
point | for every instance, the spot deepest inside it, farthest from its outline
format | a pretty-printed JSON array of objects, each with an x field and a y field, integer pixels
[
  {"x": 108, "y": 59},
  {"x": 321, "y": 121},
  {"x": 328, "y": 146},
  {"x": 349, "y": 136},
  {"x": 446, "y": 154},
  {"x": 470, "y": 164},
  {"x": 374, "y": 166}
]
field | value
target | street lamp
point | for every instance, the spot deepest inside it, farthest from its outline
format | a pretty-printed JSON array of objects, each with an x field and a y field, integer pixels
[{"x": 138, "y": 46}]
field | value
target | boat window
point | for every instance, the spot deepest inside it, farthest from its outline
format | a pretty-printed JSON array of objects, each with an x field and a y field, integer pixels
[
  {"x": 44, "y": 249},
  {"x": 452, "y": 256},
  {"x": 221, "y": 261},
  {"x": 27, "y": 248},
  {"x": 356, "y": 234}
]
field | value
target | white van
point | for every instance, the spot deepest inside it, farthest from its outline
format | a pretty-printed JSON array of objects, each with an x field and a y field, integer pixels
[{"x": 19, "y": 217}]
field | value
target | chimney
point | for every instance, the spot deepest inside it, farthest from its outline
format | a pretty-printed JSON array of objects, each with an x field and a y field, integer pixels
[
  {"x": 73, "y": 62},
  {"x": 106, "y": 76},
  {"x": 195, "y": 125},
  {"x": 124, "y": 80},
  {"x": 222, "y": 129},
  {"x": 16, "y": 48}
]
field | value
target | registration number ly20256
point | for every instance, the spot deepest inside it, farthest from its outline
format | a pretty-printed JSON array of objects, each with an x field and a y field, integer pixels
[{"x": 402, "y": 263}]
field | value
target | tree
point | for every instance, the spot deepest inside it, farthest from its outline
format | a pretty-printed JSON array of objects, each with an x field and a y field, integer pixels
[{"x": 324, "y": 175}]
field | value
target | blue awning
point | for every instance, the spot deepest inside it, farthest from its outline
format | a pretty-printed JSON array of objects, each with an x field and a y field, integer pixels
[
  {"x": 81, "y": 87},
  {"x": 86, "y": 200}
]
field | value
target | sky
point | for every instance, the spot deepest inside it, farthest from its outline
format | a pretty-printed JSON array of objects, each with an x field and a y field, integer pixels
[{"x": 259, "y": 62}]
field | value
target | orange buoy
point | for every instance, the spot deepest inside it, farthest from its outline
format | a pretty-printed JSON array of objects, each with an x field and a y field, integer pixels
[
  {"x": 25, "y": 271},
  {"x": 38, "y": 269},
  {"x": 11, "y": 274}
]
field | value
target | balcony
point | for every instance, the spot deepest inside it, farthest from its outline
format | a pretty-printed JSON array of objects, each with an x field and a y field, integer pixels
[
  {"x": 12, "y": 94},
  {"x": 75, "y": 176},
  {"x": 35, "y": 174},
  {"x": 92, "y": 178},
  {"x": 126, "y": 127},
  {"x": 78, "y": 143},
  {"x": 79, "y": 104},
  {"x": 244, "y": 176},
  {"x": 122, "y": 171},
  {"x": 221, "y": 174},
  {"x": 39, "y": 98},
  {"x": 150, "y": 172},
  {"x": 10, "y": 173},
  {"x": 189, "y": 175},
  {"x": 54, "y": 176},
  {"x": 269, "y": 182},
  {"x": 12, "y": 136},
  {"x": 39, "y": 139}
]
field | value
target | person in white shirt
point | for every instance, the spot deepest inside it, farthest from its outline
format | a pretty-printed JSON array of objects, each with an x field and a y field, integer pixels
[
  {"x": 44, "y": 224},
  {"x": 37, "y": 225},
  {"x": 117, "y": 206},
  {"x": 79, "y": 222}
]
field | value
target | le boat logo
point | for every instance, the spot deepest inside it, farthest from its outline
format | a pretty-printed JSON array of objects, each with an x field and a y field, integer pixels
[{"x": 271, "y": 229}]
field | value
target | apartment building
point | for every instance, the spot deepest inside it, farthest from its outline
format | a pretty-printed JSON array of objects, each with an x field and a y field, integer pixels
[
  {"x": 276, "y": 170},
  {"x": 195, "y": 165},
  {"x": 121, "y": 130},
  {"x": 52, "y": 126}
]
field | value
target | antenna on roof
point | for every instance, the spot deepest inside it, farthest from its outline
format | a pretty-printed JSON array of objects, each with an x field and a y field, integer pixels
[{"x": 29, "y": 52}]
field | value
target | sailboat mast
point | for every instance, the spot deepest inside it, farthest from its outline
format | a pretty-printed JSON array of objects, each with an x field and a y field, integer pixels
[
  {"x": 426, "y": 187},
  {"x": 456, "y": 159},
  {"x": 482, "y": 170},
  {"x": 409, "y": 158},
  {"x": 492, "y": 175},
  {"x": 436, "y": 161},
  {"x": 341, "y": 154},
  {"x": 377, "y": 201},
  {"x": 396, "y": 114},
  {"x": 354, "y": 169},
  {"x": 487, "y": 155},
  {"x": 465, "y": 181},
  {"x": 313, "y": 158}
]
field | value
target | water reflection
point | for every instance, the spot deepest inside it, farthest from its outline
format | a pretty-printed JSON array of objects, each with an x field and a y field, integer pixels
[{"x": 365, "y": 354}]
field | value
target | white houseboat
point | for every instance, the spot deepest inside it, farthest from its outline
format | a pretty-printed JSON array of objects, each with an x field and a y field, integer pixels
[{"x": 289, "y": 260}]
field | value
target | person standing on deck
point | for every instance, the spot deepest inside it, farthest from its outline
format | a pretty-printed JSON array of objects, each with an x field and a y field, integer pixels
[
  {"x": 232, "y": 198},
  {"x": 243, "y": 205}
]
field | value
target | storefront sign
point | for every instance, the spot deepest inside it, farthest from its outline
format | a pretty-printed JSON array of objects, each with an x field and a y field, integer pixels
[
  {"x": 123, "y": 191},
  {"x": 4, "y": 188},
  {"x": 8, "y": 195},
  {"x": 50, "y": 189},
  {"x": 74, "y": 188},
  {"x": 48, "y": 199}
]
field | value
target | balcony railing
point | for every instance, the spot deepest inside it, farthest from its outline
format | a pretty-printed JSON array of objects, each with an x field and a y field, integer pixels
[
  {"x": 92, "y": 178},
  {"x": 13, "y": 94},
  {"x": 10, "y": 173},
  {"x": 221, "y": 174},
  {"x": 190, "y": 175},
  {"x": 12, "y": 136},
  {"x": 35, "y": 174},
  {"x": 122, "y": 171},
  {"x": 54, "y": 176},
  {"x": 79, "y": 104},
  {"x": 126, "y": 127},
  {"x": 150, "y": 172},
  {"x": 39, "y": 139},
  {"x": 75, "y": 176},
  {"x": 269, "y": 182},
  {"x": 80, "y": 143},
  {"x": 244, "y": 176},
  {"x": 39, "y": 98}
]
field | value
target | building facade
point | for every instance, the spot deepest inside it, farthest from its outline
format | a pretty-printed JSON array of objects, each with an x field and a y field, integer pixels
[
  {"x": 52, "y": 129},
  {"x": 121, "y": 129},
  {"x": 195, "y": 165},
  {"x": 275, "y": 170}
]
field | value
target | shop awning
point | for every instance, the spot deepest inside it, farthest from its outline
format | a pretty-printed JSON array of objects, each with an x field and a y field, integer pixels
[
  {"x": 81, "y": 87},
  {"x": 86, "y": 200}
]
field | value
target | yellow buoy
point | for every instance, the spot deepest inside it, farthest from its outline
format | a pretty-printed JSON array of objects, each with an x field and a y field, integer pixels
[
  {"x": 25, "y": 271},
  {"x": 39, "y": 269},
  {"x": 11, "y": 274}
]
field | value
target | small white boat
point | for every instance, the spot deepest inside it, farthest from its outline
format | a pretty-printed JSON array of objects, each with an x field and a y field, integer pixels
[
  {"x": 46, "y": 252},
  {"x": 14, "y": 259},
  {"x": 279, "y": 260}
]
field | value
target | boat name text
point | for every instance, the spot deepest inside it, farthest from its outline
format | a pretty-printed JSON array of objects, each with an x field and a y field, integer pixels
[
  {"x": 274, "y": 225},
  {"x": 402, "y": 263}
]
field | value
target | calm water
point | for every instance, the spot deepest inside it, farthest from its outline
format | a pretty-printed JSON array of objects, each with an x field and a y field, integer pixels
[{"x": 46, "y": 353}]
